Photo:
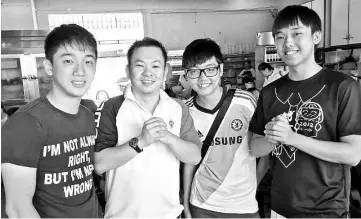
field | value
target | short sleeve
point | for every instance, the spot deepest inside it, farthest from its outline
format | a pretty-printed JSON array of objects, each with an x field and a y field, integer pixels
[
  {"x": 188, "y": 131},
  {"x": 22, "y": 140},
  {"x": 349, "y": 108},
  {"x": 257, "y": 122},
  {"x": 105, "y": 120}
]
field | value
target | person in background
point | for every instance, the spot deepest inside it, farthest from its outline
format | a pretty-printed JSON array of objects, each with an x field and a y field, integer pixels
[
  {"x": 49, "y": 143},
  {"x": 309, "y": 123},
  {"x": 247, "y": 67},
  {"x": 226, "y": 84},
  {"x": 249, "y": 84},
  {"x": 268, "y": 73},
  {"x": 224, "y": 185},
  {"x": 143, "y": 136}
]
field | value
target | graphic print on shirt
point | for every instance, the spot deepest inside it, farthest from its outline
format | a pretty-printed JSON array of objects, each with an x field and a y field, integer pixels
[
  {"x": 305, "y": 117},
  {"x": 77, "y": 177}
]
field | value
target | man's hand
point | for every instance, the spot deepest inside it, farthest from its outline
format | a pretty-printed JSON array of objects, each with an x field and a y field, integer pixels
[
  {"x": 278, "y": 130},
  {"x": 153, "y": 130}
]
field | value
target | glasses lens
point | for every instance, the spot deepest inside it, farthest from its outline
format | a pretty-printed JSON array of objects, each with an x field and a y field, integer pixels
[
  {"x": 196, "y": 73},
  {"x": 210, "y": 72},
  {"x": 193, "y": 73}
]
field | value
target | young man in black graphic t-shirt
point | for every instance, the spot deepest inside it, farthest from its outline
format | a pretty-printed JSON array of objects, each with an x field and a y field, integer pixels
[
  {"x": 309, "y": 123},
  {"x": 47, "y": 147}
]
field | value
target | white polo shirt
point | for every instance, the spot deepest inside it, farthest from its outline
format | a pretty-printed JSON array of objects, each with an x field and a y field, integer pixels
[
  {"x": 147, "y": 185},
  {"x": 274, "y": 76}
]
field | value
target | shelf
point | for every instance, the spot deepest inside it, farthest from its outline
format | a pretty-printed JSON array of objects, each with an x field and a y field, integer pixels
[
  {"x": 344, "y": 47},
  {"x": 233, "y": 61},
  {"x": 275, "y": 62},
  {"x": 239, "y": 54}
]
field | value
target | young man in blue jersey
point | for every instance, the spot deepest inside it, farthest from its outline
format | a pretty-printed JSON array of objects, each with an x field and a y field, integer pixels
[
  {"x": 225, "y": 183},
  {"x": 309, "y": 121}
]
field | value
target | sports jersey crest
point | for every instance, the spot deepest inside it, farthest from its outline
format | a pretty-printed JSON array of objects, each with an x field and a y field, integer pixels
[{"x": 236, "y": 124}]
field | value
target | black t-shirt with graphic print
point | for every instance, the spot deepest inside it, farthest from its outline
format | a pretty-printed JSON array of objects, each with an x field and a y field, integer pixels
[
  {"x": 326, "y": 106},
  {"x": 61, "y": 148}
]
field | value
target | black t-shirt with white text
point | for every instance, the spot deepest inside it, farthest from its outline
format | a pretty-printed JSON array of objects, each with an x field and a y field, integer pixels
[{"x": 61, "y": 148}]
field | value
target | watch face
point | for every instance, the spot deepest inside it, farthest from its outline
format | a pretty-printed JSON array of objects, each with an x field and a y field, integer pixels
[{"x": 133, "y": 142}]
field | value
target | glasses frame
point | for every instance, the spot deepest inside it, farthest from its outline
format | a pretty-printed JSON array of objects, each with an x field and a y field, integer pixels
[{"x": 202, "y": 70}]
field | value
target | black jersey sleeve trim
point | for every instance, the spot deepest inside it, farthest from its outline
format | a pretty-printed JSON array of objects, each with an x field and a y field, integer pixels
[{"x": 105, "y": 119}]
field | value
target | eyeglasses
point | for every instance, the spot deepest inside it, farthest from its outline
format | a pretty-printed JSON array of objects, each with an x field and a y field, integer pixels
[{"x": 196, "y": 73}]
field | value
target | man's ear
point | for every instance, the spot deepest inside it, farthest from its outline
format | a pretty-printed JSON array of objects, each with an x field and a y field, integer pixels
[
  {"x": 221, "y": 69},
  {"x": 317, "y": 36},
  {"x": 48, "y": 67},
  {"x": 127, "y": 71}
]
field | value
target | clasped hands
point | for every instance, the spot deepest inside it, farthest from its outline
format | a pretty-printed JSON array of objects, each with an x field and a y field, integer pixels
[
  {"x": 278, "y": 130},
  {"x": 154, "y": 129}
]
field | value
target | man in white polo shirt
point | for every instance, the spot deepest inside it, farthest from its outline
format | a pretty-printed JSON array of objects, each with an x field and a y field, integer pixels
[
  {"x": 142, "y": 137},
  {"x": 268, "y": 73}
]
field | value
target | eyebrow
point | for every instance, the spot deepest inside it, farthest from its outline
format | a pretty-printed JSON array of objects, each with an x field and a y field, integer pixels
[
  {"x": 69, "y": 54},
  {"x": 139, "y": 60},
  {"x": 293, "y": 28},
  {"x": 91, "y": 56},
  {"x": 206, "y": 66},
  {"x": 66, "y": 54}
]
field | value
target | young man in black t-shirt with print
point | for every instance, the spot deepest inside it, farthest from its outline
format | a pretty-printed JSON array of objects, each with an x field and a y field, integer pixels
[
  {"x": 47, "y": 147},
  {"x": 309, "y": 123}
]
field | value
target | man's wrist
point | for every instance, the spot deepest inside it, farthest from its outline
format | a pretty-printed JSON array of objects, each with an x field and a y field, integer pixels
[
  {"x": 141, "y": 143},
  {"x": 295, "y": 139}
]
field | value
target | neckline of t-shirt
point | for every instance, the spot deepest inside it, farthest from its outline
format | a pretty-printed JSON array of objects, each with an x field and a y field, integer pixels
[
  {"x": 46, "y": 100},
  {"x": 215, "y": 109},
  {"x": 287, "y": 77}
]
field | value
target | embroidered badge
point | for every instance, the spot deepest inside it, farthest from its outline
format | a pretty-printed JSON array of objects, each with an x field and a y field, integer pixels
[
  {"x": 171, "y": 123},
  {"x": 236, "y": 124}
]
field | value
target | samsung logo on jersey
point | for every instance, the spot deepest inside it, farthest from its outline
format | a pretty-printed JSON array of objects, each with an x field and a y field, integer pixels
[{"x": 227, "y": 140}]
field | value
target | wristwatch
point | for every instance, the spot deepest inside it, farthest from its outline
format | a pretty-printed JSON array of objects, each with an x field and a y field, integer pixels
[{"x": 133, "y": 143}]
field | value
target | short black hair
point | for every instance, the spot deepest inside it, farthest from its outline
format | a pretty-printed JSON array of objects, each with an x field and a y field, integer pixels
[
  {"x": 292, "y": 14},
  {"x": 72, "y": 35},
  {"x": 199, "y": 51},
  {"x": 264, "y": 66},
  {"x": 147, "y": 42}
]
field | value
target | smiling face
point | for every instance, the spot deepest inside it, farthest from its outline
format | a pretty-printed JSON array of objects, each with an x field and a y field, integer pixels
[
  {"x": 204, "y": 85},
  {"x": 146, "y": 70},
  {"x": 295, "y": 44},
  {"x": 72, "y": 71}
]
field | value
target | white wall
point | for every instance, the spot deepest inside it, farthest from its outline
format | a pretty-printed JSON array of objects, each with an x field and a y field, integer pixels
[
  {"x": 284, "y": 3},
  {"x": 178, "y": 30},
  {"x": 171, "y": 21}
]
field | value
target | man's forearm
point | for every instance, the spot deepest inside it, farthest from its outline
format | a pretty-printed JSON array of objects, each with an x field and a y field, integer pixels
[
  {"x": 260, "y": 146},
  {"x": 335, "y": 152},
  {"x": 188, "y": 174},
  {"x": 112, "y": 158},
  {"x": 187, "y": 152},
  {"x": 21, "y": 210}
]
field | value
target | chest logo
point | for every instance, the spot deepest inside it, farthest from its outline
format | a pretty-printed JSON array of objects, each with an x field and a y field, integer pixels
[
  {"x": 236, "y": 125},
  {"x": 171, "y": 123}
]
